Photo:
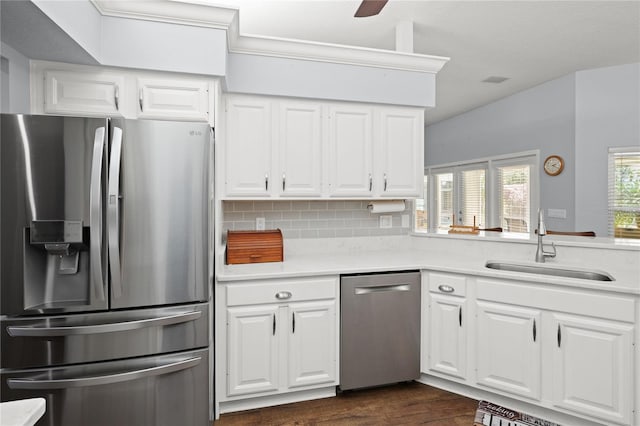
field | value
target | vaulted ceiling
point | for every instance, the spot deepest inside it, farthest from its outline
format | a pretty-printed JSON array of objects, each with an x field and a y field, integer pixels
[{"x": 528, "y": 42}]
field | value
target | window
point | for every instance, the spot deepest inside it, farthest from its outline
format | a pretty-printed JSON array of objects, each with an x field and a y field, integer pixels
[
  {"x": 514, "y": 197},
  {"x": 444, "y": 200},
  {"x": 492, "y": 192},
  {"x": 422, "y": 213},
  {"x": 624, "y": 193}
]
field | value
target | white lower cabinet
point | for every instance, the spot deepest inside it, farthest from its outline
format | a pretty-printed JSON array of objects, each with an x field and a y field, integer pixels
[
  {"x": 312, "y": 343},
  {"x": 447, "y": 353},
  {"x": 567, "y": 350},
  {"x": 593, "y": 367},
  {"x": 281, "y": 336},
  {"x": 508, "y": 356},
  {"x": 252, "y": 349}
]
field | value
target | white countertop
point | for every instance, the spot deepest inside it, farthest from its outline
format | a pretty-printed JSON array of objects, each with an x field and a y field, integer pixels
[
  {"x": 298, "y": 265},
  {"x": 23, "y": 412}
]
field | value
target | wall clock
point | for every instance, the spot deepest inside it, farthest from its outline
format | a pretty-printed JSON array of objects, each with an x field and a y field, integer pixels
[{"x": 553, "y": 165}]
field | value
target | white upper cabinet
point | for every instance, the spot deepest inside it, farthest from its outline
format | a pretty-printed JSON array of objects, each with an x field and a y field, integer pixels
[
  {"x": 86, "y": 93},
  {"x": 65, "y": 89},
  {"x": 300, "y": 149},
  {"x": 322, "y": 150},
  {"x": 350, "y": 151},
  {"x": 186, "y": 99},
  {"x": 272, "y": 149},
  {"x": 399, "y": 159},
  {"x": 248, "y": 147}
]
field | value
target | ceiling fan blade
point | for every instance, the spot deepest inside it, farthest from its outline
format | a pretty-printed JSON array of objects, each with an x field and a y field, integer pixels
[{"x": 369, "y": 8}]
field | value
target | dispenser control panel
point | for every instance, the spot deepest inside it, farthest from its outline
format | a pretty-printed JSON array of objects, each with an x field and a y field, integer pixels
[{"x": 56, "y": 231}]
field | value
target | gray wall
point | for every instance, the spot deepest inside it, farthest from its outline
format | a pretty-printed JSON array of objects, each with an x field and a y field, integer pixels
[
  {"x": 538, "y": 118},
  {"x": 14, "y": 81},
  {"x": 324, "y": 80},
  {"x": 607, "y": 115},
  {"x": 143, "y": 44},
  {"x": 163, "y": 47}
]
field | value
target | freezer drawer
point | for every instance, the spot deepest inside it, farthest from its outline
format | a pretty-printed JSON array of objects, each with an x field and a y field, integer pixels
[
  {"x": 74, "y": 339},
  {"x": 155, "y": 391}
]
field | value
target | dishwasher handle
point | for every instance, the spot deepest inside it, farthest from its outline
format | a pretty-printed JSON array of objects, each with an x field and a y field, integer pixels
[{"x": 383, "y": 288}]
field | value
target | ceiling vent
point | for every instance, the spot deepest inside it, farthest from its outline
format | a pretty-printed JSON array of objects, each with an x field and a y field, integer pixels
[{"x": 495, "y": 79}]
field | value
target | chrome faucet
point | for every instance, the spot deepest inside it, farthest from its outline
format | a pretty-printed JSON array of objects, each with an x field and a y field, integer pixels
[{"x": 541, "y": 255}]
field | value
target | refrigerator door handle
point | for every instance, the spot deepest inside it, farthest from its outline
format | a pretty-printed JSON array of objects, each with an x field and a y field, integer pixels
[
  {"x": 37, "y": 331},
  {"x": 95, "y": 213},
  {"x": 35, "y": 384},
  {"x": 113, "y": 212}
]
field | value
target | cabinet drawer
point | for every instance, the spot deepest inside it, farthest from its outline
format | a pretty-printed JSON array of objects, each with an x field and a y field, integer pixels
[
  {"x": 294, "y": 290},
  {"x": 609, "y": 306},
  {"x": 454, "y": 285}
]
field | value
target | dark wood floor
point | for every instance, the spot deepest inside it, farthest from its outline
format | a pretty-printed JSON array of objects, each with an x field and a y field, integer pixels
[{"x": 402, "y": 404}]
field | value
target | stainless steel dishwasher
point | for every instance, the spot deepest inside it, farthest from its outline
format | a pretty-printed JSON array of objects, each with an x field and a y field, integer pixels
[{"x": 380, "y": 329}]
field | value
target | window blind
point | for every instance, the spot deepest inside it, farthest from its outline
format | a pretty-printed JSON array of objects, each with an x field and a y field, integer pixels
[
  {"x": 472, "y": 198},
  {"x": 514, "y": 197},
  {"x": 444, "y": 200},
  {"x": 624, "y": 193}
]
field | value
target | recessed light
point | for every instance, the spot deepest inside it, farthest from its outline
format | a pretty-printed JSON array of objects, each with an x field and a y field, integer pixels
[{"x": 495, "y": 79}]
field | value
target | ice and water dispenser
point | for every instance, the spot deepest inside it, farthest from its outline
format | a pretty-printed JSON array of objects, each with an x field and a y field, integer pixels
[{"x": 56, "y": 264}]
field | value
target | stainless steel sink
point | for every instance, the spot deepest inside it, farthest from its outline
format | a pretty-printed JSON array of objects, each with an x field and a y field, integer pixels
[{"x": 550, "y": 270}]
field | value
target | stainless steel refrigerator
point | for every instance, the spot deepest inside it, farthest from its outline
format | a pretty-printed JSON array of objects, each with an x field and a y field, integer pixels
[{"x": 104, "y": 269}]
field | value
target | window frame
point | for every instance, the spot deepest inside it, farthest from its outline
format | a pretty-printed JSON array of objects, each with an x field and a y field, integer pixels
[
  {"x": 612, "y": 154},
  {"x": 490, "y": 165}
]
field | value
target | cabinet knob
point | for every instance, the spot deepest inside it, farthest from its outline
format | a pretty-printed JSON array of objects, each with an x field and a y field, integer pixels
[
  {"x": 446, "y": 288},
  {"x": 283, "y": 295}
]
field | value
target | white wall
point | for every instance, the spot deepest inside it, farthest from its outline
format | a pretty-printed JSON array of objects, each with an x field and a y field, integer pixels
[
  {"x": 14, "y": 81},
  {"x": 538, "y": 118},
  {"x": 607, "y": 115}
]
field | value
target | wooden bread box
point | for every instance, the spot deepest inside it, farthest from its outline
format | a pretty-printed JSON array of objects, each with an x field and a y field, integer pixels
[{"x": 254, "y": 246}]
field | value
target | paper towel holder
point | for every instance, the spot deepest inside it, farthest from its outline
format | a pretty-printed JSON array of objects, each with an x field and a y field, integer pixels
[{"x": 386, "y": 206}]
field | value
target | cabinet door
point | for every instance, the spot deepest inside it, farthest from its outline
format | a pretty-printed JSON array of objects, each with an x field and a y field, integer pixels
[
  {"x": 248, "y": 147},
  {"x": 252, "y": 349},
  {"x": 399, "y": 166},
  {"x": 350, "y": 151},
  {"x": 448, "y": 335},
  {"x": 300, "y": 149},
  {"x": 173, "y": 99},
  {"x": 312, "y": 343},
  {"x": 85, "y": 93},
  {"x": 508, "y": 354},
  {"x": 593, "y": 367}
]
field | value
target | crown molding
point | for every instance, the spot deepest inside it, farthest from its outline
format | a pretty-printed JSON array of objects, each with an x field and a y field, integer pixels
[
  {"x": 170, "y": 11},
  {"x": 198, "y": 13}
]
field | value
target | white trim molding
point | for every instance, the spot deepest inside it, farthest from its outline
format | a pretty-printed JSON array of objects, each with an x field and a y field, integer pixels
[{"x": 197, "y": 13}]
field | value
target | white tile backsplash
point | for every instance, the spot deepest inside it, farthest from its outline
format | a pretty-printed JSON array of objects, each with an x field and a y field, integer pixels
[{"x": 310, "y": 219}]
